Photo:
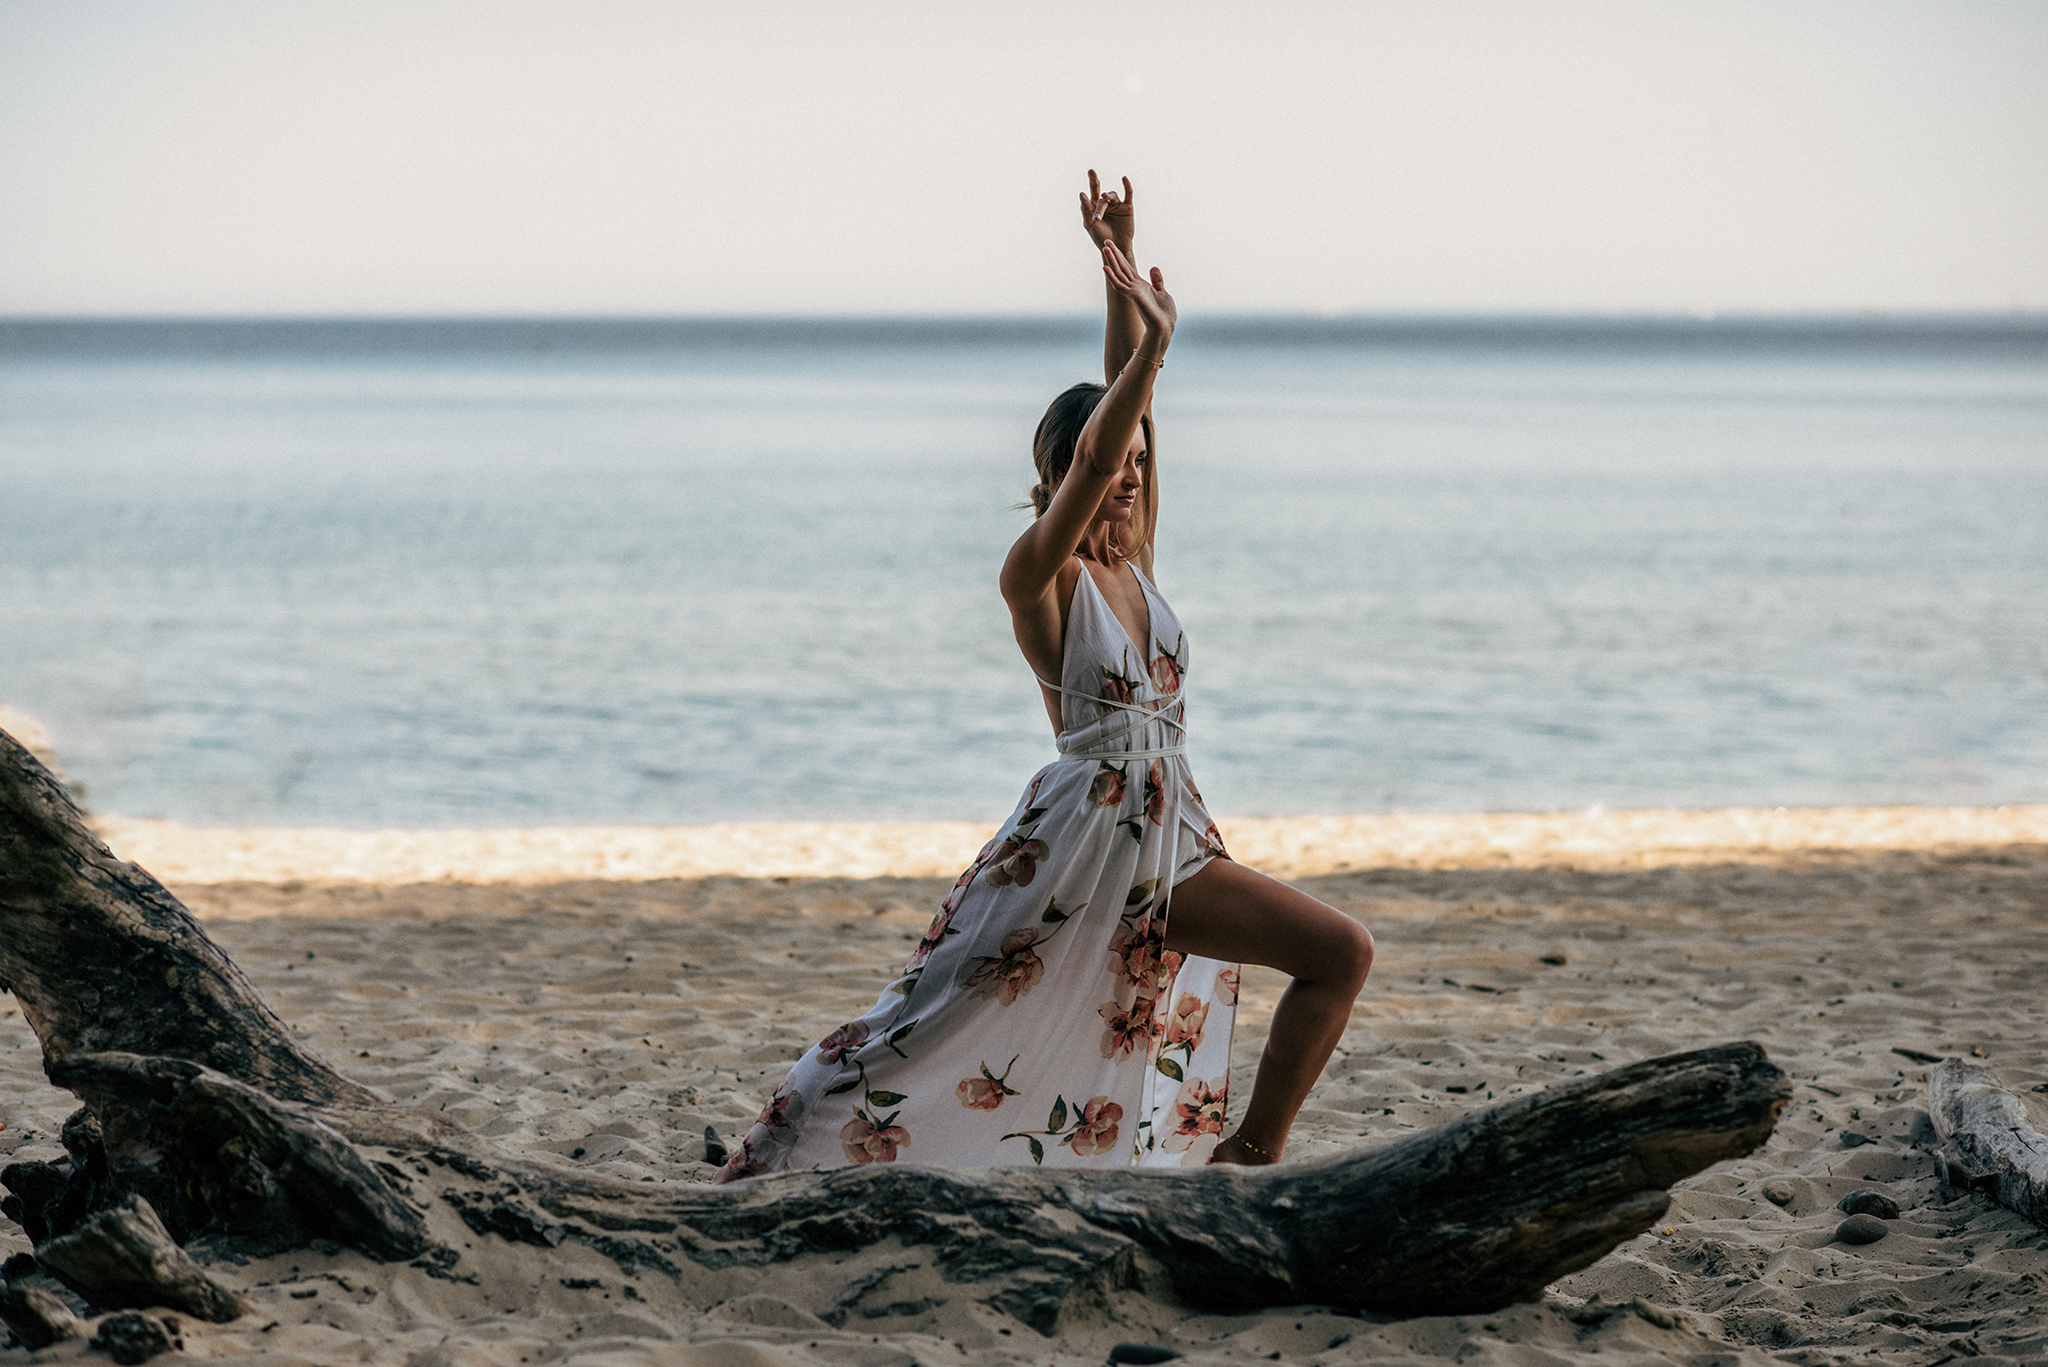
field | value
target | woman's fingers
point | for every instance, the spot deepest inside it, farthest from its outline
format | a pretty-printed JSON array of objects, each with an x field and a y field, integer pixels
[
  {"x": 1091, "y": 204},
  {"x": 1119, "y": 269},
  {"x": 1128, "y": 196},
  {"x": 1127, "y": 280}
]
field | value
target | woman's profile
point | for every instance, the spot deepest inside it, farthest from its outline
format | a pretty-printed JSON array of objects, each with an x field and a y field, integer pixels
[{"x": 1072, "y": 1002}]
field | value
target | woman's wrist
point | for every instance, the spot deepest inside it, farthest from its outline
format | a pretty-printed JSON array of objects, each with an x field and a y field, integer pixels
[{"x": 1151, "y": 348}]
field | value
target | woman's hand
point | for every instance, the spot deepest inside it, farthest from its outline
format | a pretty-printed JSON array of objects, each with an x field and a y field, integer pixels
[
  {"x": 1107, "y": 217},
  {"x": 1155, "y": 305}
]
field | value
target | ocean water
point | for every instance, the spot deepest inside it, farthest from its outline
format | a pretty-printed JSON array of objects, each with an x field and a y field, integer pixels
[{"x": 519, "y": 573}]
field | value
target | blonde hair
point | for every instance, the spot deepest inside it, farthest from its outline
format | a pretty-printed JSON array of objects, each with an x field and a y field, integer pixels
[{"x": 1052, "y": 452}]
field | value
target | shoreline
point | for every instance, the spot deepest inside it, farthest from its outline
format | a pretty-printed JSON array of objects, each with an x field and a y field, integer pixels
[{"x": 1286, "y": 847}]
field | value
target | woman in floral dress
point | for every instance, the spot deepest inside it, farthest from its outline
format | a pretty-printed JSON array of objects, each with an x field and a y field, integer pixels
[{"x": 1071, "y": 1004}]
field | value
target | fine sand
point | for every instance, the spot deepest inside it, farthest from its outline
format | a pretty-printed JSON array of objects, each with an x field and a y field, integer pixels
[{"x": 603, "y": 996}]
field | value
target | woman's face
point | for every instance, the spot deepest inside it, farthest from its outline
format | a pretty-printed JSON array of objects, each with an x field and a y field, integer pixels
[{"x": 1120, "y": 499}]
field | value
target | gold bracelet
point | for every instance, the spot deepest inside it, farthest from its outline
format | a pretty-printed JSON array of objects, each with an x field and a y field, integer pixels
[{"x": 1158, "y": 363}]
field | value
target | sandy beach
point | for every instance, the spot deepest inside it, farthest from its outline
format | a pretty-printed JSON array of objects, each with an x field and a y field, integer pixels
[{"x": 605, "y": 995}]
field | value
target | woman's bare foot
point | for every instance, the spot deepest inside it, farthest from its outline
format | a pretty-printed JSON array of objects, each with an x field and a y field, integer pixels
[{"x": 1242, "y": 1153}]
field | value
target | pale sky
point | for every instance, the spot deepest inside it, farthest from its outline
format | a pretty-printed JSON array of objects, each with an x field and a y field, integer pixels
[{"x": 313, "y": 156}]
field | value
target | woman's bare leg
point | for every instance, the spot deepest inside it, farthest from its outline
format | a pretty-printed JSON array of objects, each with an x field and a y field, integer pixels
[{"x": 1228, "y": 912}]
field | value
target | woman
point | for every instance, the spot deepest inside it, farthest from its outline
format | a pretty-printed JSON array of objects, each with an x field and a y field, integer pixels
[{"x": 1072, "y": 1002}]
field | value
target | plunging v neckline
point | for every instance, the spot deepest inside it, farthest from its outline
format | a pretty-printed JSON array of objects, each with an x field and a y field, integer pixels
[{"x": 1144, "y": 592}]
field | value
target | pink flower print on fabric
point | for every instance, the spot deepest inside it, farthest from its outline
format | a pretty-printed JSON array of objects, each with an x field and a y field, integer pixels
[
  {"x": 1108, "y": 788},
  {"x": 871, "y": 1137},
  {"x": 1096, "y": 1132},
  {"x": 1130, "y": 958},
  {"x": 979, "y": 1093},
  {"x": 1139, "y": 956},
  {"x": 1155, "y": 793},
  {"x": 1166, "y": 672},
  {"x": 1093, "y": 1132},
  {"x": 934, "y": 936},
  {"x": 1012, "y": 975},
  {"x": 744, "y": 1163},
  {"x": 1129, "y": 1028},
  {"x": 1226, "y": 985},
  {"x": 942, "y": 924},
  {"x": 1198, "y": 1119},
  {"x": 1016, "y": 863},
  {"x": 865, "y": 1142},
  {"x": 986, "y": 1093},
  {"x": 1184, "y": 1026},
  {"x": 1120, "y": 688},
  {"x": 843, "y": 1041},
  {"x": 776, "y": 1114},
  {"x": 967, "y": 876}
]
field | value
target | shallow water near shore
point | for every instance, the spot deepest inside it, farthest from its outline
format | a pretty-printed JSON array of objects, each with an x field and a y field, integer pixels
[{"x": 284, "y": 579}]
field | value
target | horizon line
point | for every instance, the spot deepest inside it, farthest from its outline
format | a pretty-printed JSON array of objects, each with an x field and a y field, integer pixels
[
  {"x": 226, "y": 337},
  {"x": 1680, "y": 316}
]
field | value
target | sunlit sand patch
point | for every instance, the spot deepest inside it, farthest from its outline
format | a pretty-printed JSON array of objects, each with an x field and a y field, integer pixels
[{"x": 1288, "y": 847}]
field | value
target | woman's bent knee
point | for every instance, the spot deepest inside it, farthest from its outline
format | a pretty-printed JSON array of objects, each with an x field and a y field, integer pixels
[
  {"x": 1354, "y": 961},
  {"x": 1343, "y": 953}
]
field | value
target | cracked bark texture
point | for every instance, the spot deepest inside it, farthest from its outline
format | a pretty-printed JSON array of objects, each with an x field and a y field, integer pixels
[{"x": 1991, "y": 1140}]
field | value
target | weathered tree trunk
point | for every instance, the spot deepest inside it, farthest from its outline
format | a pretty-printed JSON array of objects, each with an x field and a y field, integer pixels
[
  {"x": 1989, "y": 1142},
  {"x": 206, "y": 1106}
]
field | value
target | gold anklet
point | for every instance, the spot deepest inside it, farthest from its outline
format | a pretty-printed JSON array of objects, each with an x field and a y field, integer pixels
[{"x": 1242, "y": 1142}]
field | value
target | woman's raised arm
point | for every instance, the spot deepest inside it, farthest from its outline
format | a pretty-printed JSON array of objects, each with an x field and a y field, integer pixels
[
  {"x": 1108, "y": 219},
  {"x": 1105, "y": 443}
]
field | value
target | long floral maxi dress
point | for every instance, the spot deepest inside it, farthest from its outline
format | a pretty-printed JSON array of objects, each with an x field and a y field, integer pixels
[{"x": 1042, "y": 1018}]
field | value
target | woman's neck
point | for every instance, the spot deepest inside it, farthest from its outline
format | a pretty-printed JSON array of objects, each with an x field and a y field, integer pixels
[{"x": 1098, "y": 546}]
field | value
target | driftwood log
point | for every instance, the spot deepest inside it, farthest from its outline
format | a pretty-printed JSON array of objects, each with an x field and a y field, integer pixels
[
  {"x": 37, "y": 1318},
  {"x": 125, "y": 1258},
  {"x": 1989, "y": 1141},
  {"x": 199, "y": 1100}
]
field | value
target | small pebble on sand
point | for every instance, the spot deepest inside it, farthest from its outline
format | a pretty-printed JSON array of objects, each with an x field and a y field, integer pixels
[
  {"x": 1864, "y": 1201},
  {"x": 1142, "y": 1353},
  {"x": 1861, "y": 1229},
  {"x": 1778, "y": 1192}
]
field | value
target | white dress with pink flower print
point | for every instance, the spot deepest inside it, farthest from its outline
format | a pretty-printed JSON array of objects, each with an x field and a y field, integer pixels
[{"x": 1042, "y": 1019}]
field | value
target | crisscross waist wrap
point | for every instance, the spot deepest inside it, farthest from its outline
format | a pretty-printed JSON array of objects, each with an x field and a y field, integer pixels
[{"x": 1167, "y": 711}]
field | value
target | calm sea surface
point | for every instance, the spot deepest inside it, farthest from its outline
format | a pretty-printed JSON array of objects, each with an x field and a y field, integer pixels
[{"x": 523, "y": 573}]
